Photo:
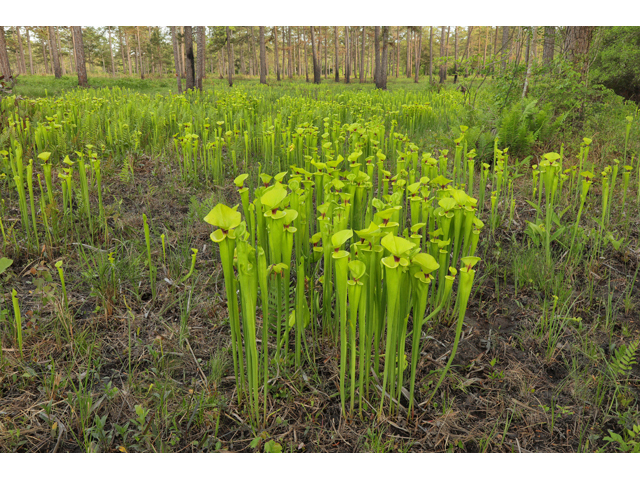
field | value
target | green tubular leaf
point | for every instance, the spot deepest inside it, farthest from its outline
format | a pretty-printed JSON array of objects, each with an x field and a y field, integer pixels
[
  {"x": 397, "y": 246},
  {"x": 273, "y": 196},
  {"x": 224, "y": 217},
  {"x": 339, "y": 238}
]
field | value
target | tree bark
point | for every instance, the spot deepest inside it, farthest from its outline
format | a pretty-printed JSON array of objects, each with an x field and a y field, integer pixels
[
  {"x": 577, "y": 46},
  {"x": 306, "y": 61},
  {"x": 263, "y": 58},
  {"x": 23, "y": 66},
  {"x": 486, "y": 43},
  {"x": 385, "y": 57},
  {"x": 495, "y": 50},
  {"x": 122, "y": 49},
  {"x": 549, "y": 45},
  {"x": 30, "y": 52},
  {"x": 505, "y": 47},
  {"x": 78, "y": 48},
  {"x": 316, "y": 63},
  {"x": 57, "y": 71},
  {"x": 442, "y": 66},
  {"x": 408, "y": 66},
  {"x": 289, "y": 64},
  {"x": 188, "y": 50},
  {"x": 326, "y": 34},
  {"x": 5, "y": 67},
  {"x": 397, "y": 52},
  {"x": 283, "y": 52},
  {"x": 44, "y": 56},
  {"x": 176, "y": 58},
  {"x": 430, "y": 55},
  {"x": 362, "y": 75},
  {"x": 275, "y": 54},
  {"x": 139, "y": 56},
  {"x": 378, "y": 67},
  {"x": 529, "y": 62},
  {"x": 252, "y": 53},
  {"x": 183, "y": 62},
  {"x": 73, "y": 46},
  {"x": 347, "y": 63},
  {"x": 230, "y": 57},
  {"x": 113, "y": 63},
  {"x": 455, "y": 55},
  {"x": 202, "y": 49},
  {"x": 419, "y": 55},
  {"x": 135, "y": 64},
  {"x": 336, "y": 66}
]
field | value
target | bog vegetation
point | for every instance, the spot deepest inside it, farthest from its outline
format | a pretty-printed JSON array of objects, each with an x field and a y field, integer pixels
[{"x": 319, "y": 268}]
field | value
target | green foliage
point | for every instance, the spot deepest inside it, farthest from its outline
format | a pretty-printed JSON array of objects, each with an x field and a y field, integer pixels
[
  {"x": 624, "y": 358},
  {"x": 629, "y": 442},
  {"x": 617, "y": 65},
  {"x": 524, "y": 123}
]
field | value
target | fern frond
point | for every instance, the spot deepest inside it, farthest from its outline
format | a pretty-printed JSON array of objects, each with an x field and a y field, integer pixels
[{"x": 624, "y": 358}]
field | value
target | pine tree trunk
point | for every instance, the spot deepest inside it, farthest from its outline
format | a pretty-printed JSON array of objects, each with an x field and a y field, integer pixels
[
  {"x": 139, "y": 56},
  {"x": 326, "y": 34},
  {"x": 408, "y": 66},
  {"x": 5, "y": 67},
  {"x": 347, "y": 64},
  {"x": 283, "y": 70},
  {"x": 486, "y": 43},
  {"x": 577, "y": 46},
  {"x": 419, "y": 54},
  {"x": 430, "y": 55},
  {"x": 134, "y": 65},
  {"x": 275, "y": 53},
  {"x": 306, "y": 60},
  {"x": 385, "y": 58},
  {"x": 336, "y": 66},
  {"x": 60, "y": 51},
  {"x": 316, "y": 63},
  {"x": 505, "y": 48},
  {"x": 202, "y": 48},
  {"x": 549, "y": 45},
  {"x": 263, "y": 58},
  {"x": 442, "y": 66},
  {"x": 30, "y": 51},
  {"x": 362, "y": 75},
  {"x": 495, "y": 51},
  {"x": 354, "y": 43},
  {"x": 73, "y": 51},
  {"x": 230, "y": 68},
  {"x": 465, "y": 55},
  {"x": 455, "y": 55},
  {"x": 446, "y": 53},
  {"x": 176, "y": 58},
  {"x": 283, "y": 52},
  {"x": 113, "y": 63},
  {"x": 529, "y": 62},
  {"x": 45, "y": 57},
  {"x": 57, "y": 71},
  {"x": 289, "y": 64},
  {"x": 23, "y": 66},
  {"x": 78, "y": 48},
  {"x": 122, "y": 50},
  {"x": 252, "y": 53},
  {"x": 190, "y": 83},
  {"x": 159, "y": 55},
  {"x": 377, "y": 77}
]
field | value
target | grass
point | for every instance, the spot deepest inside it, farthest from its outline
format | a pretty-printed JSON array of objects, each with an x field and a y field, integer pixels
[{"x": 120, "y": 364}]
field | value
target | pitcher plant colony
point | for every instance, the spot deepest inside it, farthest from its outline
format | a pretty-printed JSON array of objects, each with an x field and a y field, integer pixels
[{"x": 336, "y": 225}]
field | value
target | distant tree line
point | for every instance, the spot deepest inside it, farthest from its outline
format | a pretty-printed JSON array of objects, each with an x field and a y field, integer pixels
[{"x": 352, "y": 53}]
